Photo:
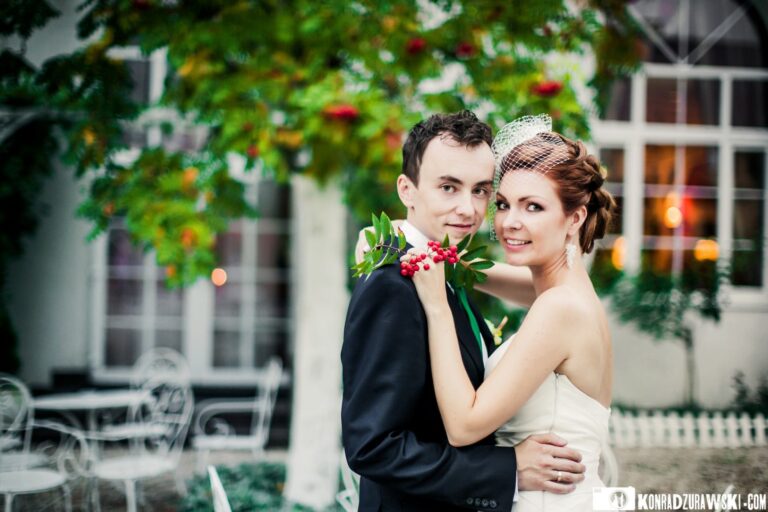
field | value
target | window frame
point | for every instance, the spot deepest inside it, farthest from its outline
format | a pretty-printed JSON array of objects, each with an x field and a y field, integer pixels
[{"x": 634, "y": 135}]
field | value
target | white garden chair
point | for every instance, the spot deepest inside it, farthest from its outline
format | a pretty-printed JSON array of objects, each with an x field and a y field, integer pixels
[
  {"x": 24, "y": 472},
  {"x": 168, "y": 419},
  {"x": 220, "y": 501},
  {"x": 349, "y": 496},
  {"x": 609, "y": 467},
  {"x": 213, "y": 433},
  {"x": 158, "y": 363}
]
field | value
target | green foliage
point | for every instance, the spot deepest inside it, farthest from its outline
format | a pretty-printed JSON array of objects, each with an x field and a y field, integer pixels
[
  {"x": 248, "y": 487},
  {"x": 325, "y": 89},
  {"x": 657, "y": 303},
  {"x": 471, "y": 264},
  {"x": 748, "y": 401},
  {"x": 385, "y": 246}
]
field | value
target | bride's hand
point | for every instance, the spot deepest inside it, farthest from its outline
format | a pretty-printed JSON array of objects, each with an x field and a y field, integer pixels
[{"x": 429, "y": 281}]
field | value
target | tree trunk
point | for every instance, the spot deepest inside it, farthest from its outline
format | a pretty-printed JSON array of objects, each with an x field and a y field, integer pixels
[
  {"x": 690, "y": 363},
  {"x": 320, "y": 300}
]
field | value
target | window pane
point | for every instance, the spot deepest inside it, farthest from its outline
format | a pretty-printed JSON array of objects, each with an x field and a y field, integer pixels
[
  {"x": 271, "y": 248},
  {"x": 661, "y": 100},
  {"x": 613, "y": 161},
  {"x": 699, "y": 217},
  {"x": 748, "y": 219},
  {"x": 124, "y": 297},
  {"x": 619, "y": 100},
  {"x": 268, "y": 343},
  {"x": 272, "y": 300},
  {"x": 139, "y": 73},
  {"x": 615, "y": 227},
  {"x": 169, "y": 301},
  {"x": 660, "y": 165},
  {"x": 229, "y": 249},
  {"x": 226, "y": 349},
  {"x": 168, "y": 338},
  {"x": 274, "y": 200},
  {"x": 699, "y": 268},
  {"x": 123, "y": 347},
  {"x": 121, "y": 251},
  {"x": 750, "y": 104},
  {"x": 228, "y": 300},
  {"x": 749, "y": 170},
  {"x": 656, "y": 260},
  {"x": 703, "y": 102},
  {"x": 657, "y": 220},
  {"x": 701, "y": 166}
]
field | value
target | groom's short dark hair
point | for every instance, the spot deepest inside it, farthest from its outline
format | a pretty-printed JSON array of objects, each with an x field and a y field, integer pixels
[{"x": 463, "y": 127}]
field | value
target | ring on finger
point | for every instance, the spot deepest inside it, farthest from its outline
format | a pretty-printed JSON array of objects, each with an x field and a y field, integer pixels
[{"x": 559, "y": 476}]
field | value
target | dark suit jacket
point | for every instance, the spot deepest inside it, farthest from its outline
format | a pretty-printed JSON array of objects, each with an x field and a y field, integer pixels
[{"x": 392, "y": 431}]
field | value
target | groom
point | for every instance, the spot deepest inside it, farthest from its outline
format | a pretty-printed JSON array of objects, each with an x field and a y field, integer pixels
[{"x": 392, "y": 431}]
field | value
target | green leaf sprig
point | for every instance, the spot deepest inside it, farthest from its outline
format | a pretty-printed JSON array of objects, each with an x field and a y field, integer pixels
[
  {"x": 468, "y": 271},
  {"x": 385, "y": 245}
]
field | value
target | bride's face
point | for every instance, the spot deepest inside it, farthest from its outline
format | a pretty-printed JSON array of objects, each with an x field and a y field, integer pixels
[{"x": 530, "y": 221}]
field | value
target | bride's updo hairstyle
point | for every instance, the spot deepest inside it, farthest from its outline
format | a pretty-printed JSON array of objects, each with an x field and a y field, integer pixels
[{"x": 577, "y": 174}]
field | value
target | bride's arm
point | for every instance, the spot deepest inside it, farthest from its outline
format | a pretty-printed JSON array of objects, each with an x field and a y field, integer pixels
[
  {"x": 512, "y": 284},
  {"x": 470, "y": 415}
]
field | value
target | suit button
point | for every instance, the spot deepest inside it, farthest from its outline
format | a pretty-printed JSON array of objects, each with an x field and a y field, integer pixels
[
  {"x": 470, "y": 501},
  {"x": 492, "y": 504},
  {"x": 477, "y": 502},
  {"x": 485, "y": 503}
]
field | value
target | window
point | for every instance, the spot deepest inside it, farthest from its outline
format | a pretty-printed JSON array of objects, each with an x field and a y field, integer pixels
[
  {"x": 226, "y": 330},
  {"x": 689, "y": 135}
]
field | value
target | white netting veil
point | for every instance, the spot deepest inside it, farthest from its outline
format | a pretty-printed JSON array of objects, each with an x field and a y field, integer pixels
[{"x": 525, "y": 144}]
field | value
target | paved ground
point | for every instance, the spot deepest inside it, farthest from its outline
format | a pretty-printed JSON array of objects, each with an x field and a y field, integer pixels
[{"x": 649, "y": 470}]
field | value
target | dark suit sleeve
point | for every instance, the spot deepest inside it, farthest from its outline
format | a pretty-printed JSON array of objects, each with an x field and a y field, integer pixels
[{"x": 386, "y": 381}]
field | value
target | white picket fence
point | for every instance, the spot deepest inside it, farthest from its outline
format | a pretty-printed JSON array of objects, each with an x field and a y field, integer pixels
[{"x": 672, "y": 430}]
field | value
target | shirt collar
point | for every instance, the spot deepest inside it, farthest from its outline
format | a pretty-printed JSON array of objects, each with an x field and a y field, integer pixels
[{"x": 413, "y": 236}]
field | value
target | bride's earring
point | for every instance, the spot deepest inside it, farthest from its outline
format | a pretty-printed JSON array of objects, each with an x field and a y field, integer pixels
[{"x": 570, "y": 254}]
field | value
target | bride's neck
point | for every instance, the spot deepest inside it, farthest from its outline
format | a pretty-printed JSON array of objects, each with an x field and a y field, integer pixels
[{"x": 557, "y": 273}]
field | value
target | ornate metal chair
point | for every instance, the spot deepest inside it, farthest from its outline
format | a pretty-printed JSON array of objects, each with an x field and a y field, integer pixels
[
  {"x": 213, "y": 433},
  {"x": 155, "y": 439},
  {"x": 349, "y": 496},
  {"x": 24, "y": 472}
]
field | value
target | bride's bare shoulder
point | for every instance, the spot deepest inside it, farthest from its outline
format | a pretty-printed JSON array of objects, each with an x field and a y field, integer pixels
[{"x": 561, "y": 303}]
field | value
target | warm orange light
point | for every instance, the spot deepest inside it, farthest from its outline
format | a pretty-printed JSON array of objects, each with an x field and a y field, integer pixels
[
  {"x": 219, "y": 276},
  {"x": 673, "y": 217},
  {"x": 618, "y": 252},
  {"x": 706, "y": 250}
]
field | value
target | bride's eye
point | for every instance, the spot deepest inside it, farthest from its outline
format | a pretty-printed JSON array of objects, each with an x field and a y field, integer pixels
[
  {"x": 501, "y": 205},
  {"x": 534, "y": 207}
]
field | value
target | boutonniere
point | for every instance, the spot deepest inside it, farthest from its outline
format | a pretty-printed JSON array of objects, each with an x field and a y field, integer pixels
[
  {"x": 496, "y": 330},
  {"x": 464, "y": 263}
]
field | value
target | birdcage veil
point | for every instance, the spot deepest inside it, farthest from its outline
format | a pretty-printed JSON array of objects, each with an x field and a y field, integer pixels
[{"x": 525, "y": 144}]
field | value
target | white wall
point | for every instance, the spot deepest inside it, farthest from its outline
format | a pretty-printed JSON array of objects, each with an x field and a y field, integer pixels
[
  {"x": 48, "y": 286},
  {"x": 652, "y": 373}
]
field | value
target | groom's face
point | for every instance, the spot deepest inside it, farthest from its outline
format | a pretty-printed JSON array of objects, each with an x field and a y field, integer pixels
[{"x": 453, "y": 190}]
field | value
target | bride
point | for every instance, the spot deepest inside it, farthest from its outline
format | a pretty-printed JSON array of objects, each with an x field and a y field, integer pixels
[{"x": 555, "y": 374}]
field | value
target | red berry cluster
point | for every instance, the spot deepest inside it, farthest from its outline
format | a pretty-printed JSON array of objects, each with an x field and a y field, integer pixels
[{"x": 438, "y": 253}]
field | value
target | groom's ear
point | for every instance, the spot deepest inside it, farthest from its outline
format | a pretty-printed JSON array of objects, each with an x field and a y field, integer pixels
[{"x": 405, "y": 189}]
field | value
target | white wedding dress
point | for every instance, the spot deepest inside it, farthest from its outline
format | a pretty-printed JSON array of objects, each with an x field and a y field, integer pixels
[{"x": 561, "y": 408}]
